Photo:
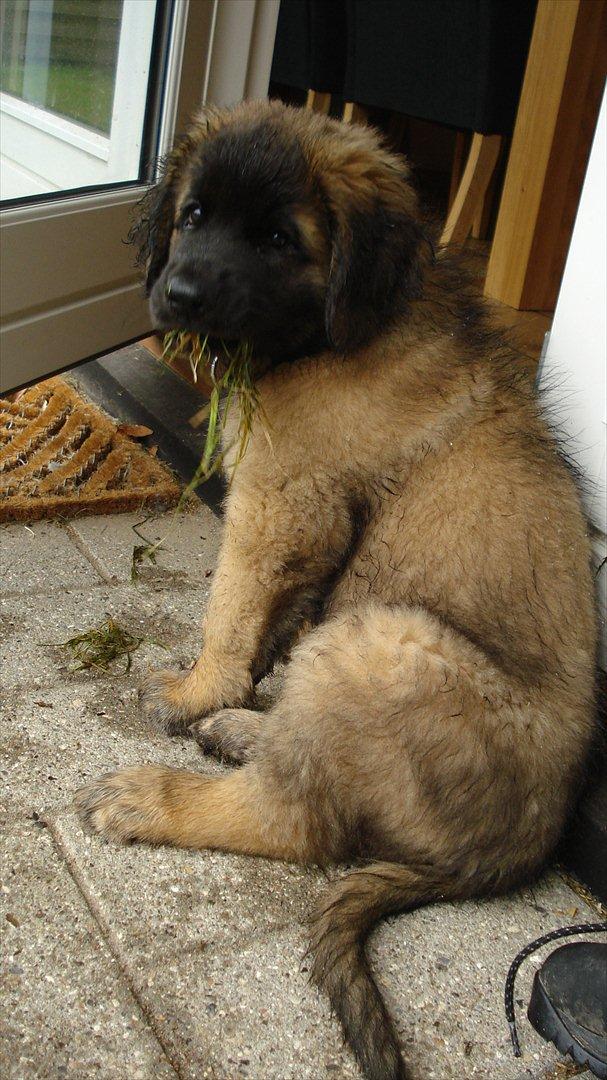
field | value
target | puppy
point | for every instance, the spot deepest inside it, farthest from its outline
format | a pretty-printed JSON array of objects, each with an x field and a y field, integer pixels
[{"x": 412, "y": 506}]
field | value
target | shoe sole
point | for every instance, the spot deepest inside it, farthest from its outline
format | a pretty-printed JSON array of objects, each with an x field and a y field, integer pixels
[{"x": 547, "y": 1022}]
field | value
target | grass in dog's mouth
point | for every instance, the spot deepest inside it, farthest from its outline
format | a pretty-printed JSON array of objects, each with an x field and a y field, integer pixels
[
  {"x": 235, "y": 386},
  {"x": 102, "y": 645}
]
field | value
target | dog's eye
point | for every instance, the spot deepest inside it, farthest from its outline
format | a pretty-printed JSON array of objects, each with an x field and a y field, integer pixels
[
  {"x": 279, "y": 239},
  {"x": 192, "y": 216}
]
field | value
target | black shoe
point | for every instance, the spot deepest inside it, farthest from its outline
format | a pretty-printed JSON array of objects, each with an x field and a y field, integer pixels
[{"x": 568, "y": 1003}]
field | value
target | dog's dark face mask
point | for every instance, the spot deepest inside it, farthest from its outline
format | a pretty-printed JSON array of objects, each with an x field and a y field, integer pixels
[
  {"x": 238, "y": 265},
  {"x": 244, "y": 239}
]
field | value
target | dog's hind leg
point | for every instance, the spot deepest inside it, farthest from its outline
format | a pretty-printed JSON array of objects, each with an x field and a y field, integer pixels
[
  {"x": 236, "y": 812},
  {"x": 350, "y": 755},
  {"x": 347, "y": 761}
]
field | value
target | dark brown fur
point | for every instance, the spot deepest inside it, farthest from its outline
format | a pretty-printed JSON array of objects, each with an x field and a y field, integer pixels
[{"x": 413, "y": 505}]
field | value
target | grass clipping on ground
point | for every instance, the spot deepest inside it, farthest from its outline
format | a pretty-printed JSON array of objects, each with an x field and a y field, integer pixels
[{"x": 101, "y": 646}]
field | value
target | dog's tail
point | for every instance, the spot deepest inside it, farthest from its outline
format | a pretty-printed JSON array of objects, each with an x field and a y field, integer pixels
[{"x": 340, "y": 967}]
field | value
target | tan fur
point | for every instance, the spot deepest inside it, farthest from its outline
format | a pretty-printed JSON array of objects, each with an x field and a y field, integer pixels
[
  {"x": 171, "y": 806},
  {"x": 440, "y": 714}
]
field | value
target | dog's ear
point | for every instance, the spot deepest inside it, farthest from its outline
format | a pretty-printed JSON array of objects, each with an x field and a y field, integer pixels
[
  {"x": 155, "y": 216},
  {"x": 375, "y": 265},
  {"x": 155, "y": 212},
  {"x": 151, "y": 231}
]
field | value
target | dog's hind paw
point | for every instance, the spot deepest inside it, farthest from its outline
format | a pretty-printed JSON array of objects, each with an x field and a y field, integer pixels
[
  {"x": 229, "y": 734},
  {"x": 126, "y": 805}
]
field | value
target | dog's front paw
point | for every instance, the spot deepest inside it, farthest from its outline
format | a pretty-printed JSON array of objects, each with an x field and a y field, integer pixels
[
  {"x": 126, "y": 805},
  {"x": 168, "y": 701}
]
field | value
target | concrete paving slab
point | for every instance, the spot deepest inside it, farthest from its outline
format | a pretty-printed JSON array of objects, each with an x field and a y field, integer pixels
[
  {"x": 189, "y": 551},
  {"x": 209, "y": 958},
  {"x": 41, "y": 557},
  {"x": 230, "y": 987},
  {"x": 248, "y": 1012},
  {"x": 67, "y": 1010},
  {"x": 192, "y": 900},
  {"x": 29, "y": 624},
  {"x": 54, "y": 740}
]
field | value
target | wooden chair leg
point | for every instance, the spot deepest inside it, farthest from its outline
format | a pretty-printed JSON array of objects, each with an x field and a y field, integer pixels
[
  {"x": 482, "y": 159},
  {"x": 354, "y": 113},
  {"x": 480, "y": 225},
  {"x": 457, "y": 165},
  {"x": 318, "y": 101}
]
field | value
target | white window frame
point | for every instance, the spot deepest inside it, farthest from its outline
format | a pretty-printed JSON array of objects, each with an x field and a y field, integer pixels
[
  {"x": 69, "y": 290},
  {"x": 64, "y": 147}
]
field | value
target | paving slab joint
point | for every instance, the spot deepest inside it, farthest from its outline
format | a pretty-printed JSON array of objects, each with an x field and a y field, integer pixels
[{"x": 112, "y": 944}]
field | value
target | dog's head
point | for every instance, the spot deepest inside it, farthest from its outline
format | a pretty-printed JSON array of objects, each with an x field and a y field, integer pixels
[{"x": 281, "y": 227}]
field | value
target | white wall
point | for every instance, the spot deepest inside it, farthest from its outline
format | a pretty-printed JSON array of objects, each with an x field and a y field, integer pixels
[
  {"x": 575, "y": 360},
  {"x": 574, "y": 372}
]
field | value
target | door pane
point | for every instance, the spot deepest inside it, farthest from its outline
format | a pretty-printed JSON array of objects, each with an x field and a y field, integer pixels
[
  {"x": 62, "y": 56},
  {"x": 74, "y": 86}
]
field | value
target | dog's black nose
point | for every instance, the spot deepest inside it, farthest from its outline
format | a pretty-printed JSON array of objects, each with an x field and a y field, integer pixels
[{"x": 182, "y": 293}]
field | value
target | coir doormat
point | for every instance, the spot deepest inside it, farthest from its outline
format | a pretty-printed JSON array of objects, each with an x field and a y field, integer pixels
[{"x": 61, "y": 456}]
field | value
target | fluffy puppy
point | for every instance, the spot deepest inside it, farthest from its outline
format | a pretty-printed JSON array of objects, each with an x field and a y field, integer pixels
[{"x": 413, "y": 506}]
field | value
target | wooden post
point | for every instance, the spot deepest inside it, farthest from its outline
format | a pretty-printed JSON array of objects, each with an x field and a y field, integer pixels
[
  {"x": 482, "y": 218},
  {"x": 556, "y": 118},
  {"x": 457, "y": 165}
]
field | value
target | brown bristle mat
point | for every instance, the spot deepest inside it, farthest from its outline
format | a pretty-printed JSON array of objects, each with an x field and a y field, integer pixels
[{"x": 61, "y": 456}]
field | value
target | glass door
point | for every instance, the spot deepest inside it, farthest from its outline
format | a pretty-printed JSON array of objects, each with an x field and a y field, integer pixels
[
  {"x": 73, "y": 93},
  {"x": 91, "y": 93}
]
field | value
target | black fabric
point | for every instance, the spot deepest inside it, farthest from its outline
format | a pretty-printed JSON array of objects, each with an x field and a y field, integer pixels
[
  {"x": 310, "y": 46},
  {"x": 291, "y": 60},
  {"x": 457, "y": 62}
]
